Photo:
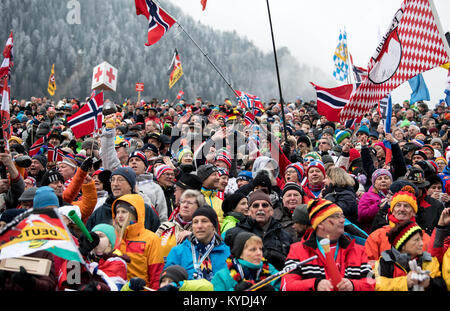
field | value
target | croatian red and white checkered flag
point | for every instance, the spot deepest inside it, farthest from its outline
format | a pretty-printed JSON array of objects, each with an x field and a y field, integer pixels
[{"x": 413, "y": 44}]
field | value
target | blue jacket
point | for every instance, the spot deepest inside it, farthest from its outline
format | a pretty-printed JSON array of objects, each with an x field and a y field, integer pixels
[{"x": 182, "y": 255}]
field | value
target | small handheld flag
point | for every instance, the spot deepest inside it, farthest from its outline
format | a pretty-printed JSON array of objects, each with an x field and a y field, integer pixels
[{"x": 51, "y": 82}]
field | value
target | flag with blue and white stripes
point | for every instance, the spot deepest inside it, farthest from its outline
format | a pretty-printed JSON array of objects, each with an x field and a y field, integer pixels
[{"x": 340, "y": 58}]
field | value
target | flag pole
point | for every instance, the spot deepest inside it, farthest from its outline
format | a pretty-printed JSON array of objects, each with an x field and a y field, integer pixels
[{"x": 278, "y": 73}]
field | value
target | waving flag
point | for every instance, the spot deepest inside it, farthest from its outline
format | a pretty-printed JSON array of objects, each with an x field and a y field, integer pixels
[
  {"x": 249, "y": 118},
  {"x": 447, "y": 90},
  {"x": 387, "y": 117},
  {"x": 177, "y": 70},
  {"x": 330, "y": 101},
  {"x": 54, "y": 154},
  {"x": 159, "y": 20},
  {"x": 359, "y": 73},
  {"x": 413, "y": 44},
  {"x": 419, "y": 89},
  {"x": 180, "y": 94},
  {"x": 38, "y": 144},
  {"x": 5, "y": 86},
  {"x": 340, "y": 58},
  {"x": 203, "y": 2},
  {"x": 89, "y": 118},
  {"x": 250, "y": 102},
  {"x": 51, "y": 82},
  {"x": 35, "y": 230}
]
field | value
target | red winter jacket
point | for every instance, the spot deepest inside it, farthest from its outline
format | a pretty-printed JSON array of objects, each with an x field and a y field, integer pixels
[{"x": 351, "y": 260}]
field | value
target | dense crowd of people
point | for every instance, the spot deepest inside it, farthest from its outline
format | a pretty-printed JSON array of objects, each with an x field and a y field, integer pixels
[{"x": 195, "y": 197}]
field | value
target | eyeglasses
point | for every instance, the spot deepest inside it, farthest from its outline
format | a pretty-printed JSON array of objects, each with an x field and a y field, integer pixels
[
  {"x": 168, "y": 174},
  {"x": 256, "y": 205}
]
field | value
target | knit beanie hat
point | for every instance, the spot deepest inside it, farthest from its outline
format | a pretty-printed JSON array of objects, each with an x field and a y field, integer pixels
[
  {"x": 245, "y": 175},
  {"x": 44, "y": 197},
  {"x": 299, "y": 169},
  {"x": 292, "y": 186},
  {"x": 208, "y": 212},
  {"x": 262, "y": 179},
  {"x": 258, "y": 195},
  {"x": 108, "y": 230},
  {"x": 41, "y": 158},
  {"x": 380, "y": 143},
  {"x": 70, "y": 160},
  {"x": 183, "y": 152},
  {"x": 437, "y": 140},
  {"x": 314, "y": 155},
  {"x": 402, "y": 232},
  {"x": 161, "y": 170},
  {"x": 128, "y": 173},
  {"x": 301, "y": 215},
  {"x": 175, "y": 272},
  {"x": 341, "y": 135},
  {"x": 231, "y": 201},
  {"x": 222, "y": 171},
  {"x": 420, "y": 153},
  {"x": 441, "y": 159},
  {"x": 406, "y": 194},
  {"x": 224, "y": 157},
  {"x": 238, "y": 243},
  {"x": 380, "y": 172},
  {"x": 320, "y": 209},
  {"x": 140, "y": 155},
  {"x": 204, "y": 171},
  {"x": 51, "y": 176},
  {"x": 317, "y": 164},
  {"x": 363, "y": 130},
  {"x": 354, "y": 154}
]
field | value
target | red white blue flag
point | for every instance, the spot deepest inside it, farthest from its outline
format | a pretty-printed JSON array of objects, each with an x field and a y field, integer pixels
[
  {"x": 249, "y": 118},
  {"x": 54, "y": 154},
  {"x": 331, "y": 101},
  {"x": 5, "y": 86},
  {"x": 159, "y": 20},
  {"x": 250, "y": 102},
  {"x": 89, "y": 118}
]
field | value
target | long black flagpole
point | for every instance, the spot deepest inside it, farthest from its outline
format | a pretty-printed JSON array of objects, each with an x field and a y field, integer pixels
[{"x": 278, "y": 73}]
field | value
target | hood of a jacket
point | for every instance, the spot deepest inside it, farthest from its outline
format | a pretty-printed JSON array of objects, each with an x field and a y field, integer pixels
[{"x": 138, "y": 203}]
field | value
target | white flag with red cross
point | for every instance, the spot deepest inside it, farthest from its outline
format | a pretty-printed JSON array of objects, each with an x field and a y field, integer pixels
[{"x": 104, "y": 77}]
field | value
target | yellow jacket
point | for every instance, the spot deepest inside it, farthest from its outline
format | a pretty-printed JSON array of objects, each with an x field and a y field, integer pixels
[
  {"x": 215, "y": 202},
  {"x": 397, "y": 281},
  {"x": 446, "y": 268},
  {"x": 141, "y": 245}
]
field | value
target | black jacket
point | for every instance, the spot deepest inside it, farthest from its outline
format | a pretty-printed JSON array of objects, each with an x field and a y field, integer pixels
[
  {"x": 346, "y": 199},
  {"x": 276, "y": 241}
]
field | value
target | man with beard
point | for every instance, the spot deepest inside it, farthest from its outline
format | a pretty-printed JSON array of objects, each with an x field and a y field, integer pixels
[{"x": 260, "y": 221}]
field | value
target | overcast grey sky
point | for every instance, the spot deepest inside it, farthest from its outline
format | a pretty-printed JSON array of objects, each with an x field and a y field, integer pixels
[{"x": 310, "y": 29}]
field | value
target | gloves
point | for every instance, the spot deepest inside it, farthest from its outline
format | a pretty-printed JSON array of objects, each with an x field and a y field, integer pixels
[
  {"x": 86, "y": 246},
  {"x": 24, "y": 279},
  {"x": 87, "y": 164},
  {"x": 242, "y": 285},
  {"x": 169, "y": 288},
  {"x": 136, "y": 284}
]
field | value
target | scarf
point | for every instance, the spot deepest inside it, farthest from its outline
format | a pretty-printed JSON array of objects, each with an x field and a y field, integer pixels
[
  {"x": 239, "y": 273},
  {"x": 183, "y": 223},
  {"x": 315, "y": 188},
  {"x": 202, "y": 263}
]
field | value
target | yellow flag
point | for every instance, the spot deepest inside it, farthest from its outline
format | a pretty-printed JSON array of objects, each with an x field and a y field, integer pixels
[
  {"x": 446, "y": 66},
  {"x": 177, "y": 70},
  {"x": 51, "y": 82}
]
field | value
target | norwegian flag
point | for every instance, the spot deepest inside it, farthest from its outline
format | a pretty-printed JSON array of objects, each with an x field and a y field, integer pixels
[
  {"x": 38, "y": 144},
  {"x": 5, "y": 78},
  {"x": 331, "y": 101},
  {"x": 359, "y": 73},
  {"x": 89, "y": 118},
  {"x": 250, "y": 102},
  {"x": 413, "y": 44},
  {"x": 249, "y": 118},
  {"x": 180, "y": 94},
  {"x": 159, "y": 20},
  {"x": 54, "y": 154}
]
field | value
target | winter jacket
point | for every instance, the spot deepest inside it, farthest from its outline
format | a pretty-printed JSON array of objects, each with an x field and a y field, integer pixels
[
  {"x": 392, "y": 267},
  {"x": 223, "y": 281},
  {"x": 143, "y": 247},
  {"x": 446, "y": 268},
  {"x": 276, "y": 241},
  {"x": 182, "y": 255},
  {"x": 213, "y": 200},
  {"x": 88, "y": 199},
  {"x": 351, "y": 261},
  {"x": 284, "y": 217},
  {"x": 377, "y": 242},
  {"x": 42, "y": 282},
  {"x": 230, "y": 221},
  {"x": 153, "y": 190},
  {"x": 346, "y": 199},
  {"x": 169, "y": 194},
  {"x": 15, "y": 191},
  {"x": 368, "y": 207},
  {"x": 103, "y": 215}
]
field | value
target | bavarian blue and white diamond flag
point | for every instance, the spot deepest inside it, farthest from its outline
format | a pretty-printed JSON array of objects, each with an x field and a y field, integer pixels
[{"x": 340, "y": 58}]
